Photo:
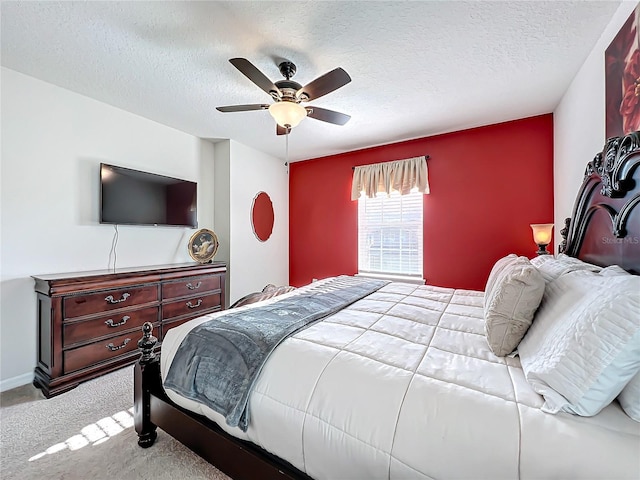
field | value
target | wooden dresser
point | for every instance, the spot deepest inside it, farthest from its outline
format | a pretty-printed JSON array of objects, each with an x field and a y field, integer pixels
[{"x": 89, "y": 323}]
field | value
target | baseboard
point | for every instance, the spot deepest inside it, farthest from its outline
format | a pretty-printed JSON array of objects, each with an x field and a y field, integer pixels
[{"x": 15, "y": 382}]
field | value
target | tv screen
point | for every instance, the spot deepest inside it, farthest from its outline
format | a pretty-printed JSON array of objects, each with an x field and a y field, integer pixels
[{"x": 132, "y": 197}]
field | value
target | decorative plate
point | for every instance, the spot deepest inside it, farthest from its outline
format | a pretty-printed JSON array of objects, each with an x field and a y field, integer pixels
[{"x": 203, "y": 245}]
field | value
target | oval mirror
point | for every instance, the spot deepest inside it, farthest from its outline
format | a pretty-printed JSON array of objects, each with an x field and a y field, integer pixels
[{"x": 262, "y": 216}]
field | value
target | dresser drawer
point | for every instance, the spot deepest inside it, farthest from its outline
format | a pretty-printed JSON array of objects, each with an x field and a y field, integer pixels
[
  {"x": 89, "y": 323},
  {"x": 106, "y": 300},
  {"x": 110, "y": 348},
  {"x": 191, "y": 306},
  {"x": 190, "y": 286},
  {"x": 118, "y": 322}
]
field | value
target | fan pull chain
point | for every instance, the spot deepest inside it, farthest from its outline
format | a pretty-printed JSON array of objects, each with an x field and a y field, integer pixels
[{"x": 286, "y": 163}]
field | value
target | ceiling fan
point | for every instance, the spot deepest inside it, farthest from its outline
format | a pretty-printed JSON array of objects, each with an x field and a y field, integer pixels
[{"x": 288, "y": 95}]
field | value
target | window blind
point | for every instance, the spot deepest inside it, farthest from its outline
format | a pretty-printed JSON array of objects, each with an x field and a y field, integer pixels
[{"x": 390, "y": 234}]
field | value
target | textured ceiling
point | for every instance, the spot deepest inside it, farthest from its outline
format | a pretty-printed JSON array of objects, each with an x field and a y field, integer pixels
[{"x": 417, "y": 68}]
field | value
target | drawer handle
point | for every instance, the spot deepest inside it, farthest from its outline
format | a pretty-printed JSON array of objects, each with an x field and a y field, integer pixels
[
  {"x": 194, "y": 287},
  {"x": 111, "y": 324},
  {"x": 113, "y": 348},
  {"x": 110, "y": 299},
  {"x": 191, "y": 305}
]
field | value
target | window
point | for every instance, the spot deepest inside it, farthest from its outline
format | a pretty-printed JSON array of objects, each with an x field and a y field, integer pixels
[{"x": 390, "y": 234}]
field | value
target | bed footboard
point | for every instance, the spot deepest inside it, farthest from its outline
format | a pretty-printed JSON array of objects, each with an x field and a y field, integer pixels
[
  {"x": 239, "y": 459},
  {"x": 146, "y": 380}
]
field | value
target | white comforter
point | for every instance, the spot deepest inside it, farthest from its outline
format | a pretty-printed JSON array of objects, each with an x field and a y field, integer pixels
[{"x": 402, "y": 384}]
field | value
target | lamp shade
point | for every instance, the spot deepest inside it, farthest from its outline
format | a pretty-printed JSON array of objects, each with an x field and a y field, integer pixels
[
  {"x": 287, "y": 114},
  {"x": 542, "y": 233}
]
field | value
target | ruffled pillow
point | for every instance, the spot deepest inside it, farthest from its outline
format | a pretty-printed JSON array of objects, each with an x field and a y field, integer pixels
[
  {"x": 513, "y": 293},
  {"x": 613, "y": 270},
  {"x": 584, "y": 345},
  {"x": 267, "y": 292},
  {"x": 629, "y": 398},
  {"x": 552, "y": 267}
]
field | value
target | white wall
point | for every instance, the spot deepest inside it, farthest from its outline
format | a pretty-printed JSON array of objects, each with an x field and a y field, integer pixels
[
  {"x": 579, "y": 122},
  {"x": 222, "y": 219},
  {"x": 241, "y": 173},
  {"x": 53, "y": 141},
  {"x": 253, "y": 172}
]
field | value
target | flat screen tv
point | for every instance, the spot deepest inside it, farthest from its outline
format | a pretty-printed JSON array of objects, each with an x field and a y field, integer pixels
[{"x": 132, "y": 197}]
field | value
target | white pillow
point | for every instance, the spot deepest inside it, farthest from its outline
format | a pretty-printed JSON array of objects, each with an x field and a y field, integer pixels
[
  {"x": 552, "y": 267},
  {"x": 629, "y": 398},
  {"x": 513, "y": 293},
  {"x": 613, "y": 270},
  {"x": 540, "y": 259},
  {"x": 584, "y": 344}
]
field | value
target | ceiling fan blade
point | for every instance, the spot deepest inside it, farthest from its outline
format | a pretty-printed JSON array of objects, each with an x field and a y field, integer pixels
[
  {"x": 281, "y": 130},
  {"x": 328, "y": 115},
  {"x": 327, "y": 83},
  {"x": 250, "y": 71},
  {"x": 243, "y": 108}
]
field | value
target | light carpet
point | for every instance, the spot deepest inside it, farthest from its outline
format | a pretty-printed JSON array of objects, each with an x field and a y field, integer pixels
[{"x": 87, "y": 433}]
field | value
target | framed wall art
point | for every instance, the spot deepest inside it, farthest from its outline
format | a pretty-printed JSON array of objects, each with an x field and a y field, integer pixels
[{"x": 622, "y": 80}]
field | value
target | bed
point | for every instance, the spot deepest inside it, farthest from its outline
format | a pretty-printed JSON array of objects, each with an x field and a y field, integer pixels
[{"x": 408, "y": 381}]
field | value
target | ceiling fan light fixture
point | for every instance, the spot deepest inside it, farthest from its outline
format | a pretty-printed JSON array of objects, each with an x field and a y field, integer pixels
[
  {"x": 287, "y": 114},
  {"x": 287, "y": 95}
]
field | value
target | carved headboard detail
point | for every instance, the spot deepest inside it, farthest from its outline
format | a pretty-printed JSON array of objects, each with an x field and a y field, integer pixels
[{"x": 604, "y": 228}]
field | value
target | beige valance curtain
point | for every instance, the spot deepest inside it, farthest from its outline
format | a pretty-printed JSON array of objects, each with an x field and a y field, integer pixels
[{"x": 400, "y": 175}]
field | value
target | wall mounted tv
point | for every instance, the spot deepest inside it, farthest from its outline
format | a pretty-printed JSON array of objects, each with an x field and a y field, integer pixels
[{"x": 132, "y": 197}]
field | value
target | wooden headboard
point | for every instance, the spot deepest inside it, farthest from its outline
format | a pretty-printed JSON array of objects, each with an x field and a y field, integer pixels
[{"x": 604, "y": 228}]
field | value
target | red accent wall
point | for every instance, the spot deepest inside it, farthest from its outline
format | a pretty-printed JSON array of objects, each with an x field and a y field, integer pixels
[{"x": 487, "y": 185}]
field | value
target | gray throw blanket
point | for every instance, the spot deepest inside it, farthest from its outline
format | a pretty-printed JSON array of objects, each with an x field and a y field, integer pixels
[{"x": 219, "y": 361}]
